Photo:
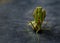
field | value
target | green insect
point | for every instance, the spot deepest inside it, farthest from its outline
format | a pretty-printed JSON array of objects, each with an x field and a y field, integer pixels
[{"x": 39, "y": 15}]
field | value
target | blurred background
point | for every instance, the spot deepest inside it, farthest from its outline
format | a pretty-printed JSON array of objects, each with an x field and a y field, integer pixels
[{"x": 14, "y": 17}]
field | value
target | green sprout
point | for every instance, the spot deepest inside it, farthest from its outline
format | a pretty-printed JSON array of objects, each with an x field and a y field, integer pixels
[{"x": 39, "y": 15}]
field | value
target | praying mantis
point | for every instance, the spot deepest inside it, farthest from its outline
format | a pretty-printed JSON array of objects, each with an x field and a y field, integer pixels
[{"x": 39, "y": 15}]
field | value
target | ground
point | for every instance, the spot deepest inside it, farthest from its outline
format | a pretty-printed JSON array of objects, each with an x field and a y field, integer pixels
[{"x": 15, "y": 14}]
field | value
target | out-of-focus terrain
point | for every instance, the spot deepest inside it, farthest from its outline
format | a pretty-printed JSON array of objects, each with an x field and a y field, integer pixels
[{"x": 14, "y": 15}]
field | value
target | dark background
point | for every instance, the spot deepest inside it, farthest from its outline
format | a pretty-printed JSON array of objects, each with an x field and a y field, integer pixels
[{"x": 14, "y": 15}]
